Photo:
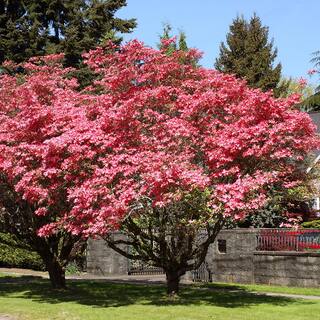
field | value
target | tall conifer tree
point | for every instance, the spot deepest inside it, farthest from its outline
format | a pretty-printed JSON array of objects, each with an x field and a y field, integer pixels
[
  {"x": 30, "y": 27},
  {"x": 21, "y": 34},
  {"x": 249, "y": 54}
]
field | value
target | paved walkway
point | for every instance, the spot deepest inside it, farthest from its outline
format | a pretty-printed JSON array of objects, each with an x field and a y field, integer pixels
[
  {"x": 134, "y": 279},
  {"x": 287, "y": 295},
  {"x": 86, "y": 276}
]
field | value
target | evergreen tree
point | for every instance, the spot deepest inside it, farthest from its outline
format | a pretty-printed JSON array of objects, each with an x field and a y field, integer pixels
[
  {"x": 183, "y": 42},
  {"x": 21, "y": 34},
  {"x": 29, "y": 28},
  {"x": 312, "y": 103},
  {"x": 180, "y": 44},
  {"x": 249, "y": 54},
  {"x": 166, "y": 35}
]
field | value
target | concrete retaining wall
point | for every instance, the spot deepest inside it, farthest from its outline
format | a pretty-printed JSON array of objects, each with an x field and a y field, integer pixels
[{"x": 287, "y": 268}]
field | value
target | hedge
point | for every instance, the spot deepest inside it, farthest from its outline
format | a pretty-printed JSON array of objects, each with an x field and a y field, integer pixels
[
  {"x": 314, "y": 224},
  {"x": 16, "y": 254}
]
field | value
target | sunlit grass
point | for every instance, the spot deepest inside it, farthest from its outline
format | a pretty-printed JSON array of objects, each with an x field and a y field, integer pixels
[{"x": 30, "y": 298}]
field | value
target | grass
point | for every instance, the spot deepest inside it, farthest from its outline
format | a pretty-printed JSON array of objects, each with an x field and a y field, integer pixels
[{"x": 30, "y": 298}]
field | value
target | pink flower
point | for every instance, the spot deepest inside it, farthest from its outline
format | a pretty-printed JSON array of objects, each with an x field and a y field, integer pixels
[
  {"x": 167, "y": 42},
  {"x": 311, "y": 72},
  {"x": 302, "y": 82},
  {"x": 158, "y": 130}
]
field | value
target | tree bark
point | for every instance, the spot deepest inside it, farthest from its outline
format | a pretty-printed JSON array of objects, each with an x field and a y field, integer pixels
[
  {"x": 173, "y": 280},
  {"x": 56, "y": 274}
]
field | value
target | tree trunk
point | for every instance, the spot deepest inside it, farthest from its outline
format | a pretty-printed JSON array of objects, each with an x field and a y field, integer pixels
[
  {"x": 56, "y": 274},
  {"x": 173, "y": 280}
]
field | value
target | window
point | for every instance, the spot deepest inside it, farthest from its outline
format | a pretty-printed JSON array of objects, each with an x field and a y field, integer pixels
[
  {"x": 222, "y": 246},
  {"x": 316, "y": 205}
]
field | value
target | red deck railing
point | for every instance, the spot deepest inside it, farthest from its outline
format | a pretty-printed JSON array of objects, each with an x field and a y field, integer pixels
[{"x": 288, "y": 240}]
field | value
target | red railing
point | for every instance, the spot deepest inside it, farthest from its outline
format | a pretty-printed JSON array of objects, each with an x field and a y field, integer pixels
[{"x": 288, "y": 240}]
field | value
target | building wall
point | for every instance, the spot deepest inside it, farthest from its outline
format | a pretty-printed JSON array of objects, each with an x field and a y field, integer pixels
[{"x": 241, "y": 263}]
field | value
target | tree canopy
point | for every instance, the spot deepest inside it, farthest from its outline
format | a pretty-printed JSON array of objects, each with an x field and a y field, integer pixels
[
  {"x": 249, "y": 54},
  {"x": 158, "y": 148},
  {"x": 30, "y": 28}
]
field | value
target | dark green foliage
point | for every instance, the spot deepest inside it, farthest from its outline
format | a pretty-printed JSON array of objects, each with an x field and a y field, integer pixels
[
  {"x": 313, "y": 103},
  {"x": 21, "y": 34},
  {"x": 271, "y": 216},
  {"x": 29, "y": 28},
  {"x": 91, "y": 22},
  {"x": 274, "y": 213},
  {"x": 183, "y": 42},
  {"x": 15, "y": 253},
  {"x": 250, "y": 55}
]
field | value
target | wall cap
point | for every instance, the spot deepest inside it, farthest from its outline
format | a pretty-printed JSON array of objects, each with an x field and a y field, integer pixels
[{"x": 286, "y": 253}]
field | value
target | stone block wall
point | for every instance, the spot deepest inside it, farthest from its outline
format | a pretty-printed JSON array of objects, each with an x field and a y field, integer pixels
[
  {"x": 236, "y": 264},
  {"x": 102, "y": 260},
  {"x": 240, "y": 263},
  {"x": 300, "y": 269}
]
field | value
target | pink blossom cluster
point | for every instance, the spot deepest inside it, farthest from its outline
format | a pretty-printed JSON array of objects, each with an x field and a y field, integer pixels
[
  {"x": 149, "y": 126},
  {"x": 302, "y": 82},
  {"x": 312, "y": 71}
]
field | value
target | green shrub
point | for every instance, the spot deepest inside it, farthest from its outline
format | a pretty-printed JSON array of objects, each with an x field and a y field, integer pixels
[
  {"x": 73, "y": 268},
  {"x": 17, "y": 254},
  {"x": 314, "y": 224}
]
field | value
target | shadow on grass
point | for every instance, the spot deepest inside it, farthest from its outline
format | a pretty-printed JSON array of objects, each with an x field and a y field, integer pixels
[
  {"x": 108, "y": 294},
  {"x": 24, "y": 279}
]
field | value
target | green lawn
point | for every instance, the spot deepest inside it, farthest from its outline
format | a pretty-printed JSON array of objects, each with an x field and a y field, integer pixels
[{"x": 30, "y": 298}]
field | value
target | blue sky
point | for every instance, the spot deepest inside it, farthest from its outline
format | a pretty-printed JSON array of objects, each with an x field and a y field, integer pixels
[{"x": 294, "y": 26}]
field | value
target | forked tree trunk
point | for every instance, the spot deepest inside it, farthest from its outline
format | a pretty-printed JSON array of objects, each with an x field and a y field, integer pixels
[
  {"x": 173, "y": 280},
  {"x": 55, "y": 251},
  {"x": 56, "y": 274}
]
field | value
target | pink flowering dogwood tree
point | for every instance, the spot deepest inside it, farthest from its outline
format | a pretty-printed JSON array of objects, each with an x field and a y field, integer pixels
[
  {"x": 157, "y": 147},
  {"x": 33, "y": 111}
]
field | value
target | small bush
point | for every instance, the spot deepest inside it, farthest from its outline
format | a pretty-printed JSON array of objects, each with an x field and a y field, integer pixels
[
  {"x": 314, "y": 224},
  {"x": 73, "y": 268},
  {"x": 17, "y": 254}
]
